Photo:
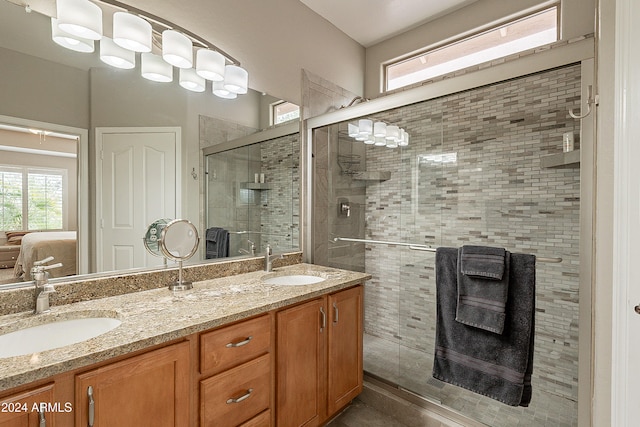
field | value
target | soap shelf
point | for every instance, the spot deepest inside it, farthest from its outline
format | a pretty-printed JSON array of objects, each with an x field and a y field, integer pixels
[
  {"x": 570, "y": 159},
  {"x": 371, "y": 176},
  {"x": 255, "y": 186}
]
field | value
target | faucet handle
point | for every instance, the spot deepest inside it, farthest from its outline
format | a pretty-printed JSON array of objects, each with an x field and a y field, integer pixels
[
  {"x": 49, "y": 267},
  {"x": 43, "y": 261}
]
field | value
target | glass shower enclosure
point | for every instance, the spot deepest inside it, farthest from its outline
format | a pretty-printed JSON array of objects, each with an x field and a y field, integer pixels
[{"x": 473, "y": 173}]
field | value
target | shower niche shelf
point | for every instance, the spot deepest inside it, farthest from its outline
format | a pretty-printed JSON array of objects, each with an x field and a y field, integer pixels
[
  {"x": 569, "y": 159},
  {"x": 255, "y": 186},
  {"x": 371, "y": 176}
]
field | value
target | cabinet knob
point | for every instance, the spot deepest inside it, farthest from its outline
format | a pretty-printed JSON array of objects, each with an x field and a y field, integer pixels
[{"x": 637, "y": 308}]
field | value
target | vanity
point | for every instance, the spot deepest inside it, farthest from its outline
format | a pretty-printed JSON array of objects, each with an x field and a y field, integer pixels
[{"x": 281, "y": 348}]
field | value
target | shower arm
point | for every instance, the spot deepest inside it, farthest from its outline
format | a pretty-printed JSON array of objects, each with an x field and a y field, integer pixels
[{"x": 420, "y": 247}]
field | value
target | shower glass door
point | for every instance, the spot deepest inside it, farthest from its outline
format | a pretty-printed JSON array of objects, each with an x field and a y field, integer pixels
[{"x": 472, "y": 173}]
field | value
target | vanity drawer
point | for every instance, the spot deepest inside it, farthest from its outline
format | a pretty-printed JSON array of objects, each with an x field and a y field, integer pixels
[
  {"x": 235, "y": 344},
  {"x": 236, "y": 395},
  {"x": 262, "y": 420}
]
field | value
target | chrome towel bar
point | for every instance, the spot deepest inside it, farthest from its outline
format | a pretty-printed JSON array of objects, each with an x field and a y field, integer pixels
[{"x": 421, "y": 247}]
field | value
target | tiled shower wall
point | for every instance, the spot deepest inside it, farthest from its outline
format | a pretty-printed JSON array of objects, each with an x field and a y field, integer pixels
[
  {"x": 271, "y": 211},
  {"x": 472, "y": 175},
  {"x": 280, "y": 206}
]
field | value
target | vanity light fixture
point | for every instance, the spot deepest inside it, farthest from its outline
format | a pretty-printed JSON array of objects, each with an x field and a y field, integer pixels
[
  {"x": 81, "y": 18},
  {"x": 116, "y": 56},
  {"x": 177, "y": 49},
  {"x": 378, "y": 133},
  {"x": 221, "y": 92},
  {"x": 236, "y": 79},
  {"x": 70, "y": 41},
  {"x": 79, "y": 23},
  {"x": 191, "y": 81},
  {"x": 154, "y": 68},
  {"x": 210, "y": 65},
  {"x": 132, "y": 32}
]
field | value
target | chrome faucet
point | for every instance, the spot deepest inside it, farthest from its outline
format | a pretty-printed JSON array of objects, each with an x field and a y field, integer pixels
[
  {"x": 42, "y": 286},
  {"x": 268, "y": 259}
]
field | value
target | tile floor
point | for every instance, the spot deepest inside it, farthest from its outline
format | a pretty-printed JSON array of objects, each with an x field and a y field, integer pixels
[
  {"x": 359, "y": 414},
  {"x": 545, "y": 409}
]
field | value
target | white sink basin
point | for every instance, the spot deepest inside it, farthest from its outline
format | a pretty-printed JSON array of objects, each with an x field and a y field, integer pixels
[
  {"x": 293, "y": 280},
  {"x": 53, "y": 335}
]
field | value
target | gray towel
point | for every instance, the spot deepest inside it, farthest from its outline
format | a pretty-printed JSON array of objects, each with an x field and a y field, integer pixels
[
  {"x": 217, "y": 243},
  {"x": 483, "y": 284},
  {"x": 497, "y": 366}
]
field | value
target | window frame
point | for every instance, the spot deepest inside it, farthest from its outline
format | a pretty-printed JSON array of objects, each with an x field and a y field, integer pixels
[
  {"x": 273, "y": 114},
  {"x": 25, "y": 171},
  {"x": 463, "y": 37}
]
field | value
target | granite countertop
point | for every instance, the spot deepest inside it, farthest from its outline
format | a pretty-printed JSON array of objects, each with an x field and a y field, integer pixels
[{"x": 157, "y": 316}]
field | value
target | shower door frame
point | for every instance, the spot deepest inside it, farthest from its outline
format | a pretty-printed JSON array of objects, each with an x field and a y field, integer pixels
[{"x": 577, "y": 52}]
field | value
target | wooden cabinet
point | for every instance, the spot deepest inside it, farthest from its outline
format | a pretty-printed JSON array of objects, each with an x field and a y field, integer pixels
[
  {"x": 319, "y": 365},
  {"x": 25, "y": 409},
  {"x": 236, "y": 367},
  {"x": 344, "y": 364},
  {"x": 151, "y": 389}
]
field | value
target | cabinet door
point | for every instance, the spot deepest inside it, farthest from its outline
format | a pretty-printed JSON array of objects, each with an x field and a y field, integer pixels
[
  {"x": 151, "y": 389},
  {"x": 301, "y": 389},
  {"x": 345, "y": 348},
  {"x": 25, "y": 410}
]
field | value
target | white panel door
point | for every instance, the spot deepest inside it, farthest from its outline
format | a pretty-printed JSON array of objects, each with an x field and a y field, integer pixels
[{"x": 138, "y": 185}]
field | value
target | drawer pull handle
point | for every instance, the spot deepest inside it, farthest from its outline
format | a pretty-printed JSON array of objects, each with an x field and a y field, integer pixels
[
  {"x": 41, "y": 419},
  {"x": 91, "y": 406},
  {"x": 324, "y": 319},
  {"x": 239, "y": 344},
  {"x": 335, "y": 311},
  {"x": 241, "y": 398}
]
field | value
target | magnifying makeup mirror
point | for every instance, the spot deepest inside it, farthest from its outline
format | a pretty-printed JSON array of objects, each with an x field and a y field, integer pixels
[{"x": 176, "y": 240}]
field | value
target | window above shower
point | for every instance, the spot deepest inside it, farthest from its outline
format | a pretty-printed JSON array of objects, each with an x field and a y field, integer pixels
[{"x": 525, "y": 33}]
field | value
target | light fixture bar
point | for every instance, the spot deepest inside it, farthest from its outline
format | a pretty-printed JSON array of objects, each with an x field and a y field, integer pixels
[{"x": 168, "y": 24}]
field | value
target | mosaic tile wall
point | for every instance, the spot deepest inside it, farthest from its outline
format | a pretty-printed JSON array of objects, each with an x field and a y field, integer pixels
[
  {"x": 280, "y": 206},
  {"x": 472, "y": 174},
  {"x": 270, "y": 212}
]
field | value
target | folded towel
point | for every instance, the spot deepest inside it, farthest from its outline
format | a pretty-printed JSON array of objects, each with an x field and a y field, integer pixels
[
  {"x": 483, "y": 284},
  {"x": 482, "y": 261},
  {"x": 217, "y": 243},
  {"x": 497, "y": 366}
]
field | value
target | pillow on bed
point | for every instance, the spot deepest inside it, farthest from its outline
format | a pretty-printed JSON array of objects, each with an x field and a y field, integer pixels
[{"x": 15, "y": 237}]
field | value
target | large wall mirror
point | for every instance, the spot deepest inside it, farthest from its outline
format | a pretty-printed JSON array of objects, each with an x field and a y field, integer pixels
[{"x": 63, "y": 113}]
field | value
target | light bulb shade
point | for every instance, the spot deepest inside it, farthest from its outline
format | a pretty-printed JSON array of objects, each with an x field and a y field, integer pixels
[
  {"x": 210, "y": 65},
  {"x": 220, "y": 91},
  {"x": 116, "y": 56},
  {"x": 379, "y": 129},
  {"x": 353, "y": 130},
  {"x": 365, "y": 126},
  {"x": 369, "y": 141},
  {"x": 392, "y": 143},
  {"x": 154, "y": 68},
  {"x": 70, "y": 41},
  {"x": 191, "y": 81},
  {"x": 393, "y": 133},
  {"x": 404, "y": 141},
  {"x": 131, "y": 32},
  {"x": 380, "y": 141},
  {"x": 80, "y": 18},
  {"x": 177, "y": 49},
  {"x": 236, "y": 79}
]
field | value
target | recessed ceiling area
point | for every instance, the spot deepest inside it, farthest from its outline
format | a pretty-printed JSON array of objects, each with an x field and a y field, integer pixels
[{"x": 371, "y": 21}]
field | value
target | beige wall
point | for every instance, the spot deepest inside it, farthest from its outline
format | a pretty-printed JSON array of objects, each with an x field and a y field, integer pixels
[
  {"x": 577, "y": 18},
  {"x": 37, "y": 89}
]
